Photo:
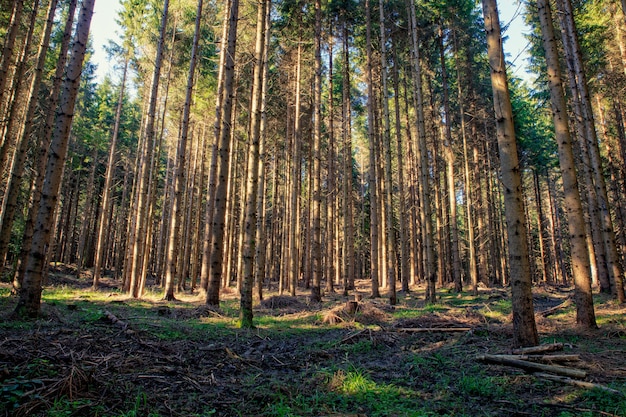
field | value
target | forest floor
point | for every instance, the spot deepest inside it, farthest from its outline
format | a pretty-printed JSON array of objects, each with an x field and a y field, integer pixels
[{"x": 103, "y": 354}]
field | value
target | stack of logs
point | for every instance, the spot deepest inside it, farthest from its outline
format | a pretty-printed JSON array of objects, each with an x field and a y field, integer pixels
[{"x": 535, "y": 360}]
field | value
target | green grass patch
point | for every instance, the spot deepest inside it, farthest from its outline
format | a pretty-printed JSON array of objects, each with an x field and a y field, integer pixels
[
  {"x": 483, "y": 386},
  {"x": 288, "y": 322}
]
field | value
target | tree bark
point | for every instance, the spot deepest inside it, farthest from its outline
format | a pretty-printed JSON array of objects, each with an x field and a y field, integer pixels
[
  {"x": 17, "y": 170},
  {"x": 138, "y": 245},
  {"x": 524, "y": 327},
  {"x": 386, "y": 147},
  {"x": 585, "y": 315},
  {"x": 348, "y": 226},
  {"x": 316, "y": 292},
  {"x": 11, "y": 119},
  {"x": 179, "y": 178},
  {"x": 448, "y": 154},
  {"x": 373, "y": 187},
  {"x": 30, "y": 294},
  {"x": 223, "y": 149},
  {"x": 430, "y": 264},
  {"x": 107, "y": 200},
  {"x": 590, "y": 145},
  {"x": 251, "y": 189},
  {"x": 7, "y": 58}
]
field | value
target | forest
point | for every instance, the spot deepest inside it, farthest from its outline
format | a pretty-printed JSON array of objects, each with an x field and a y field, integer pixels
[{"x": 313, "y": 208}]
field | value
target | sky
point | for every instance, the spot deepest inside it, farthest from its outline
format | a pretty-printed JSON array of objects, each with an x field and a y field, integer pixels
[{"x": 104, "y": 28}]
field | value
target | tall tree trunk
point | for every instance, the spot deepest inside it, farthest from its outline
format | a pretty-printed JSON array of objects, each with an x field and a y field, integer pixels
[
  {"x": 373, "y": 187},
  {"x": 524, "y": 328},
  {"x": 6, "y": 60},
  {"x": 251, "y": 188},
  {"x": 107, "y": 200},
  {"x": 86, "y": 215},
  {"x": 30, "y": 294},
  {"x": 179, "y": 178},
  {"x": 261, "y": 230},
  {"x": 348, "y": 227},
  {"x": 223, "y": 149},
  {"x": 12, "y": 117},
  {"x": 316, "y": 287},
  {"x": 331, "y": 194},
  {"x": 293, "y": 260},
  {"x": 44, "y": 145},
  {"x": 544, "y": 258},
  {"x": 138, "y": 238},
  {"x": 585, "y": 315},
  {"x": 386, "y": 145},
  {"x": 402, "y": 214},
  {"x": 17, "y": 170},
  {"x": 212, "y": 177},
  {"x": 431, "y": 273},
  {"x": 590, "y": 145}
]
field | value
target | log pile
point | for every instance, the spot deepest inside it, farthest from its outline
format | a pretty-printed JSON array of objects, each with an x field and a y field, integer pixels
[{"x": 546, "y": 366}]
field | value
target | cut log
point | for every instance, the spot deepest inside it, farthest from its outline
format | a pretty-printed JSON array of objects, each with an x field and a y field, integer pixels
[
  {"x": 352, "y": 307},
  {"x": 577, "y": 383},
  {"x": 543, "y": 358},
  {"x": 433, "y": 329},
  {"x": 533, "y": 366},
  {"x": 554, "y": 309},
  {"x": 113, "y": 319},
  {"x": 538, "y": 349}
]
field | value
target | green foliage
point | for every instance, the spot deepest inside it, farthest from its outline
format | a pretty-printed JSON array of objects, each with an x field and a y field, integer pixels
[
  {"x": 533, "y": 129},
  {"x": 64, "y": 407},
  {"x": 12, "y": 392},
  {"x": 360, "y": 347},
  {"x": 477, "y": 384},
  {"x": 606, "y": 401}
]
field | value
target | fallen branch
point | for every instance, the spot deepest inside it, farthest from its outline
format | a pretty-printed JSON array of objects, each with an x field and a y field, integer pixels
[
  {"x": 542, "y": 358},
  {"x": 574, "y": 382},
  {"x": 554, "y": 309},
  {"x": 113, "y": 319},
  {"x": 352, "y": 336},
  {"x": 538, "y": 349},
  {"x": 533, "y": 366},
  {"x": 433, "y": 329}
]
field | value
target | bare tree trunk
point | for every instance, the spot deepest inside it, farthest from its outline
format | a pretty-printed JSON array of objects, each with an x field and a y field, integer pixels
[
  {"x": 44, "y": 145},
  {"x": 386, "y": 145},
  {"x": 348, "y": 227},
  {"x": 316, "y": 287},
  {"x": 331, "y": 194},
  {"x": 450, "y": 176},
  {"x": 590, "y": 146},
  {"x": 86, "y": 215},
  {"x": 293, "y": 261},
  {"x": 373, "y": 187},
  {"x": 524, "y": 328},
  {"x": 17, "y": 170},
  {"x": 431, "y": 273},
  {"x": 212, "y": 177},
  {"x": 251, "y": 188},
  {"x": 107, "y": 200},
  {"x": 179, "y": 178},
  {"x": 544, "y": 259},
  {"x": 14, "y": 105},
  {"x": 261, "y": 227},
  {"x": 218, "y": 229},
  {"x": 7, "y": 59},
  {"x": 30, "y": 294},
  {"x": 138, "y": 238},
  {"x": 585, "y": 314}
]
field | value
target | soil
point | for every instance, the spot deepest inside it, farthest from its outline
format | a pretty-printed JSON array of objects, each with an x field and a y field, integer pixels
[{"x": 119, "y": 358}]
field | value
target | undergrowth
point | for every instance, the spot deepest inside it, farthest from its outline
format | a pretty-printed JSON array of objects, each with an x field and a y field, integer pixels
[{"x": 182, "y": 358}]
